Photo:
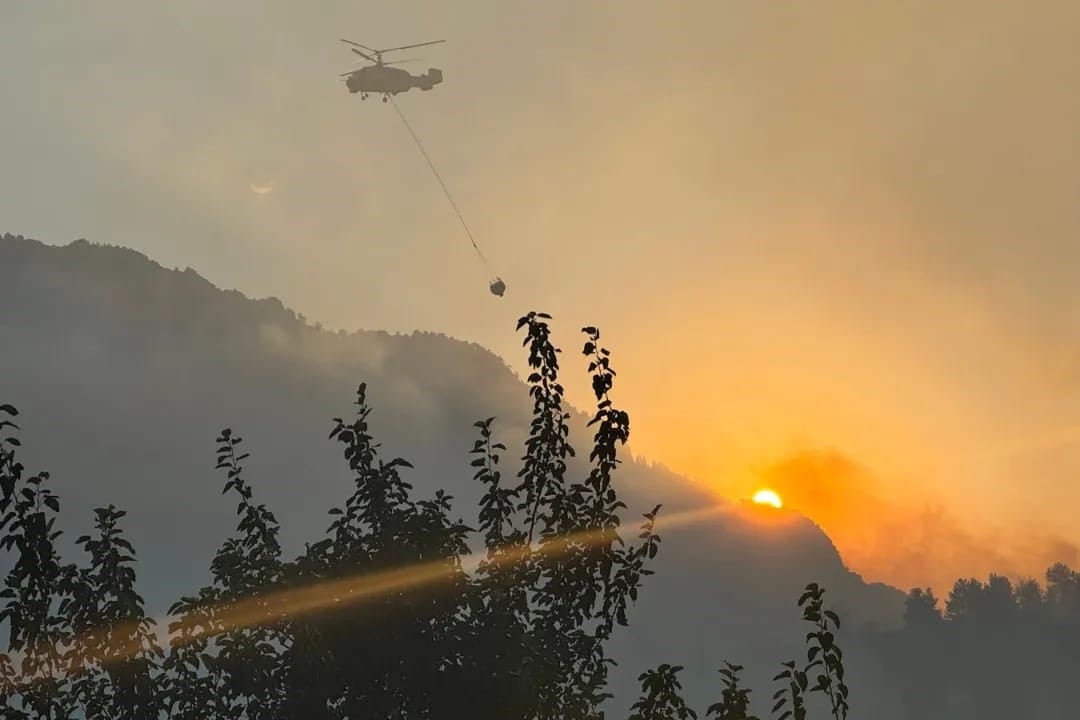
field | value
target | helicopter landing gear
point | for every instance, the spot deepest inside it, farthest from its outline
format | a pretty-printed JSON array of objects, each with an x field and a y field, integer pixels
[
  {"x": 385, "y": 98},
  {"x": 363, "y": 96}
]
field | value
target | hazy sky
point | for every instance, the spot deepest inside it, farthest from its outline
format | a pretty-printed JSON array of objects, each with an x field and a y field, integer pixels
[{"x": 833, "y": 245}]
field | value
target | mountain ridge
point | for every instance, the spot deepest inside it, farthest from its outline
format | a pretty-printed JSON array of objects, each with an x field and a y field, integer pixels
[{"x": 123, "y": 368}]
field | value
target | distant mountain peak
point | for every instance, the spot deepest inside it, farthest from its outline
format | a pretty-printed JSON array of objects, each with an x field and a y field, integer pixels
[{"x": 124, "y": 371}]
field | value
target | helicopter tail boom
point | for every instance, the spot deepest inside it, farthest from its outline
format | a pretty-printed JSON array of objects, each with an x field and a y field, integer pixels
[{"x": 432, "y": 78}]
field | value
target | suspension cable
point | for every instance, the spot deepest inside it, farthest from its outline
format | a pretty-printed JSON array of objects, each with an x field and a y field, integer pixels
[{"x": 441, "y": 183}]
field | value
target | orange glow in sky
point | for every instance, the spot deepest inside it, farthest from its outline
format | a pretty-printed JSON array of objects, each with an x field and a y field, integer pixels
[{"x": 836, "y": 275}]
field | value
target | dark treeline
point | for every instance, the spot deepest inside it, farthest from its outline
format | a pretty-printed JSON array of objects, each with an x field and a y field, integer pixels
[
  {"x": 386, "y": 616},
  {"x": 993, "y": 650}
]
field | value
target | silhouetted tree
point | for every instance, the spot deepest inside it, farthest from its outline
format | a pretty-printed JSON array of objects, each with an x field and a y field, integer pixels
[
  {"x": 921, "y": 609},
  {"x": 388, "y": 615},
  {"x": 735, "y": 700},
  {"x": 999, "y": 649},
  {"x": 33, "y": 591},
  {"x": 114, "y": 656},
  {"x": 661, "y": 698}
]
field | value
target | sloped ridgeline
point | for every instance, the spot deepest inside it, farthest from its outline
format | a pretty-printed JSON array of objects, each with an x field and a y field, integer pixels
[{"x": 124, "y": 371}]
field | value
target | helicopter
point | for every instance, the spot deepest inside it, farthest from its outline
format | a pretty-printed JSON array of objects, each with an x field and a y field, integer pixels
[{"x": 381, "y": 78}]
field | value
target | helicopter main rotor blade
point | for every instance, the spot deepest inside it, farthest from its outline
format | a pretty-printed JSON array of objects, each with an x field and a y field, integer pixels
[
  {"x": 363, "y": 55},
  {"x": 398, "y": 62},
  {"x": 406, "y": 47},
  {"x": 359, "y": 45}
]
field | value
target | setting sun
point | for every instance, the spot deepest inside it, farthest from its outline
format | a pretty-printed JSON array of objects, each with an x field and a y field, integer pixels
[{"x": 767, "y": 497}]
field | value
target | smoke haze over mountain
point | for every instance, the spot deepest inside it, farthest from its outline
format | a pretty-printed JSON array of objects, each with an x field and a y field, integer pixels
[
  {"x": 856, "y": 222},
  {"x": 124, "y": 372}
]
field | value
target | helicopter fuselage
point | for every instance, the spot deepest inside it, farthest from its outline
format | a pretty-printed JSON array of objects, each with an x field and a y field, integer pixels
[{"x": 389, "y": 80}]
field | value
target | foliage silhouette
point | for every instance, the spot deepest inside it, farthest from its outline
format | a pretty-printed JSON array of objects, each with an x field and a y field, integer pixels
[
  {"x": 660, "y": 699},
  {"x": 823, "y": 653},
  {"x": 735, "y": 700},
  {"x": 387, "y": 616}
]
